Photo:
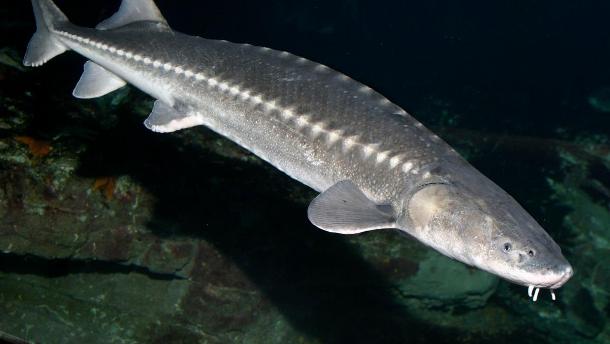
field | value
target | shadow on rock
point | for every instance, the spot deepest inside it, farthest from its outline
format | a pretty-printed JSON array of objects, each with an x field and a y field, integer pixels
[{"x": 319, "y": 282}]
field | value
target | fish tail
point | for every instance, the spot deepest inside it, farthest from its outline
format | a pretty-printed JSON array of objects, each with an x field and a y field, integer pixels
[{"x": 44, "y": 45}]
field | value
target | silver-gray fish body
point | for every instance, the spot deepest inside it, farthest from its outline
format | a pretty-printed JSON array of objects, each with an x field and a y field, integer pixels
[
  {"x": 376, "y": 166},
  {"x": 315, "y": 124}
]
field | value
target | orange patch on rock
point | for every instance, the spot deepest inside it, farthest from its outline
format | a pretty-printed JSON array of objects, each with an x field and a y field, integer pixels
[
  {"x": 106, "y": 185},
  {"x": 38, "y": 148}
]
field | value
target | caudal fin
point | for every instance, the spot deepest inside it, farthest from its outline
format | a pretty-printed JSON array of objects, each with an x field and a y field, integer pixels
[{"x": 44, "y": 45}]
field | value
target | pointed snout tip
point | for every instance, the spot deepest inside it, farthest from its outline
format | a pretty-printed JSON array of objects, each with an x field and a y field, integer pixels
[{"x": 566, "y": 273}]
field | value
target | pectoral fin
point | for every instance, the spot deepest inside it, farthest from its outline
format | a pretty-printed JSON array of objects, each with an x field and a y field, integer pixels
[
  {"x": 344, "y": 209},
  {"x": 96, "y": 81},
  {"x": 166, "y": 119}
]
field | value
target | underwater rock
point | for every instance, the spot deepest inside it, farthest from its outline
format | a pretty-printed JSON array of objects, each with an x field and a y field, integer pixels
[
  {"x": 50, "y": 212},
  {"x": 420, "y": 275},
  {"x": 468, "y": 287},
  {"x": 104, "y": 304},
  {"x": 88, "y": 306}
]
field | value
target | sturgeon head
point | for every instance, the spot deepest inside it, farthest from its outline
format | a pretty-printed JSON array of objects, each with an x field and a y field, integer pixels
[
  {"x": 462, "y": 214},
  {"x": 466, "y": 216}
]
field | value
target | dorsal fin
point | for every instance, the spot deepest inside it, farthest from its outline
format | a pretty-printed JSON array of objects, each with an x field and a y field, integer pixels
[{"x": 133, "y": 11}]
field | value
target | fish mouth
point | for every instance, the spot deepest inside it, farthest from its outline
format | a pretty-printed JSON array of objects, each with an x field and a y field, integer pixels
[
  {"x": 534, "y": 289},
  {"x": 552, "y": 281}
]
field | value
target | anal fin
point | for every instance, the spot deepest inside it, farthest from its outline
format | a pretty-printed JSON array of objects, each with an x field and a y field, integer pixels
[
  {"x": 345, "y": 209},
  {"x": 166, "y": 119},
  {"x": 96, "y": 81}
]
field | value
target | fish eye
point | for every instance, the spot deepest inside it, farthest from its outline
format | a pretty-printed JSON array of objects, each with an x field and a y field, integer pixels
[
  {"x": 531, "y": 253},
  {"x": 507, "y": 246}
]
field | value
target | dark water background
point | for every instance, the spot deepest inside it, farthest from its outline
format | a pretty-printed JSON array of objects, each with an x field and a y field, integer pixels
[{"x": 521, "y": 88}]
